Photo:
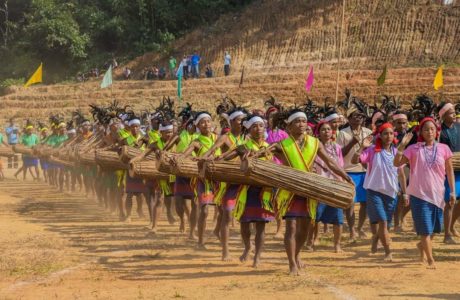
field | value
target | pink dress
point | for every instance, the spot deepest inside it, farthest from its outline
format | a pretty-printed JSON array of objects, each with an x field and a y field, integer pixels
[{"x": 427, "y": 172}]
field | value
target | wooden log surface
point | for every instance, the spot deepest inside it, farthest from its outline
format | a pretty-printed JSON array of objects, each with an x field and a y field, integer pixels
[
  {"x": 110, "y": 160},
  {"x": 6, "y": 151},
  {"x": 305, "y": 184},
  {"x": 146, "y": 169},
  {"x": 22, "y": 149},
  {"x": 226, "y": 171},
  {"x": 178, "y": 165}
]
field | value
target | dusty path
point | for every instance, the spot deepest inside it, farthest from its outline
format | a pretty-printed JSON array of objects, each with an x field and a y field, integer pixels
[{"x": 66, "y": 247}]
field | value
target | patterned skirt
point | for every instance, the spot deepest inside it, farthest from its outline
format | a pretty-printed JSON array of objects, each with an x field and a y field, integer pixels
[
  {"x": 298, "y": 208},
  {"x": 428, "y": 218},
  {"x": 229, "y": 199},
  {"x": 254, "y": 211},
  {"x": 134, "y": 185},
  {"x": 380, "y": 207},
  {"x": 183, "y": 188}
]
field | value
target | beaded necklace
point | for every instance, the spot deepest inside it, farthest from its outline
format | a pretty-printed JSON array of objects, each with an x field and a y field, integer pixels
[{"x": 430, "y": 158}]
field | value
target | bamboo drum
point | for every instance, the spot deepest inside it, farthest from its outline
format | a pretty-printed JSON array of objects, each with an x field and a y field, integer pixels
[
  {"x": 185, "y": 167},
  {"x": 23, "y": 150},
  {"x": 110, "y": 160},
  {"x": 6, "y": 151},
  {"x": 127, "y": 153},
  {"x": 305, "y": 184},
  {"x": 146, "y": 169},
  {"x": 64, "y": 163},
  {"x": 87, "y": 158},
  {"x": 227, "y": 171}
]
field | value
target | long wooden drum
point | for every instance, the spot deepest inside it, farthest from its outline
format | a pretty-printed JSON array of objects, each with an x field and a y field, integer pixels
[
  {"x": 227, "y": 171},
  {"x": 305, "y": 184},
  {"x": 127, "y": 153},
  {"x": 87, "y": 158},
  {"x": 176, "y": 164},
  {"x": 6, "y": 151},
  {"x": 146, "y": 169},
  {"x": 456, "y": 161},
  {"x": 62, "y": 162},
  {"x": 110, "y": 160},
  {"x": 23, "y": 150}
]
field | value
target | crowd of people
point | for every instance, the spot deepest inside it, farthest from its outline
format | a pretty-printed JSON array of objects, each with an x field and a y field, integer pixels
[{"x": 398, "y": 162}]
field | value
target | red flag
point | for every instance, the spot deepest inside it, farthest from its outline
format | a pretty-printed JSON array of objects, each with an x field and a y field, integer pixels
[{"x": 309, "y": 81}]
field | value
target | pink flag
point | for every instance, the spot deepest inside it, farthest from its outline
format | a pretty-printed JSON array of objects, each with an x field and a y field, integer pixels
[{"x": 309, "y": 81}]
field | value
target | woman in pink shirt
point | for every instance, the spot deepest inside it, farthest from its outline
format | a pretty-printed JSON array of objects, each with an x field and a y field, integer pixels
[
  {"x": 430, "y": 162},
  {"x": 325, "y": 213},
  {"x": 382, "y": 183}
]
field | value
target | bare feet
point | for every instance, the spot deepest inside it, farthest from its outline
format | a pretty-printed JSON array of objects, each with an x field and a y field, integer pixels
[
  {"x": 422, "y": 254},
  {"x": 374, "y": 245},
  {"x": 431, "y": 265},
  {"x": 245, "y": 255},
  {"x": 216, "y": 232},
  {"x": 182, "y": 227},
  {"x": 279, "y": 235},
  {"x": 388, "y": 257},
  {"x": 128, "y": 219},
  {"x": 338, "y": 249},
  {"x": 192, "y": 236},
  {"x": 256, "y": 262},
  {"x": 309, "y": 248},
  {"x": 362, "y": 234},
  {"x": 200, "y": 247},
  {"x": 398, "y": 229},
  {"x": 293, "y": 271},
  {"x": 449, "y": 240},
  {"x": 171, "y": 219},
  {"x": 299, "y": 263},
  {"x": 226, "y": 256}
]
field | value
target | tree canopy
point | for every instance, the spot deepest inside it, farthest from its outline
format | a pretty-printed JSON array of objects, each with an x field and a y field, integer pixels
[{"x": 72, "y": 35}]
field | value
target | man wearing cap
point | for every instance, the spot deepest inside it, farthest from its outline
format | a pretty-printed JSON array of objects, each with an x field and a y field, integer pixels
[
  {"x": 450, "y": 135},
  {"x": 350, "y": 140}
]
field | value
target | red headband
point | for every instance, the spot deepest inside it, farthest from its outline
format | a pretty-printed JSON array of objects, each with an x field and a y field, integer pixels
[
  {"x": 422, "y": 123},
  {"x": 318, "y": 127},
  {"x": 378, "y": 141}
]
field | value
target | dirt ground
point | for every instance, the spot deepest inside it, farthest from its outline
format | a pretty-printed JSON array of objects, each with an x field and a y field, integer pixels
[{"x": 65, "y": 246}]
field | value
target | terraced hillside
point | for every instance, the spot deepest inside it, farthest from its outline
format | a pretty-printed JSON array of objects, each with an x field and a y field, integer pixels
[{"x": 276, "y": 41}]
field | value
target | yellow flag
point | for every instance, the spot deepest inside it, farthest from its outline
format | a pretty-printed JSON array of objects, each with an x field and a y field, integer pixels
[
  {"x": 438, "y": 79},
  {"x": 36, "y": 77}
]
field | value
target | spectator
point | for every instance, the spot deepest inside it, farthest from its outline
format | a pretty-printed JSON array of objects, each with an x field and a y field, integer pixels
[
  {"x": 209, "y": 72},
  {"x": 12, "y": 135},
  {"x": 156, "y": 72},
  {"x": 172, "y": 67},
  {"x": 150, "y": 74},
  {"x": 162, "y": 73},
  {"x": 114, "y": 63},
  {"x": 127, "y": 73},
  {"x": 196, "y": 65},
  {"x": 185, "y": 67},
  {"x": 189, "y": 65},
  {"x": 227, "y": 61}
]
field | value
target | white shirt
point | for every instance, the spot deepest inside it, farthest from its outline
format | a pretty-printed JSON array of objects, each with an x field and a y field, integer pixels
[
  {"x": 227, "y": 59},
  {"x": 343, "y": 139}
]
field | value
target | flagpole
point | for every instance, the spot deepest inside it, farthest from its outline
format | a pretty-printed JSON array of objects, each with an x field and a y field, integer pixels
[{"x": 340, "y": 53}]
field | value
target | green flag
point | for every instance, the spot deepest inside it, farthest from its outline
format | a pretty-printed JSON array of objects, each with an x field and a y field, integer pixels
[
  {"x": 107, "y": 80},
  {"x": 382, "y": 77}
]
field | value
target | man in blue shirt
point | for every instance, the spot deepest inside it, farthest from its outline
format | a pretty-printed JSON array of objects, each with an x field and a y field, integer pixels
[
  {"x": 196, "y": 65},
  {"x": 12, "y": 135}
]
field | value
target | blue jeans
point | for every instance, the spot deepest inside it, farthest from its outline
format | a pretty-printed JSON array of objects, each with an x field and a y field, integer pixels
[{"x": 196, "y": 71}]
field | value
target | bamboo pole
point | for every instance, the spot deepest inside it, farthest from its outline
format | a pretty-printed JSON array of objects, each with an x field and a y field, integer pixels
[{"x": 340, "y": 52}]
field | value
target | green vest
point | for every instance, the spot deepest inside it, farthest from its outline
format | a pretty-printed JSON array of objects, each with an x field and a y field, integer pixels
[
  {"x": 300, "y": 159},
  {"x": 242, "y": 195}
]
